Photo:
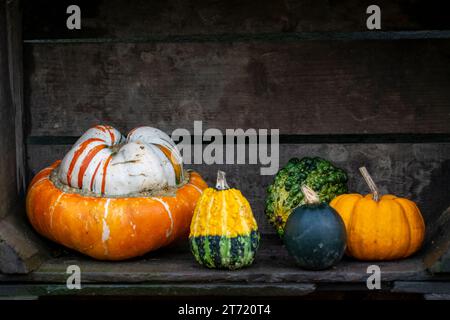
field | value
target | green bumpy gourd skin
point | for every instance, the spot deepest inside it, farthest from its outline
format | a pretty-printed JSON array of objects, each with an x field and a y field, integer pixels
[
  {"x": 285, "y": 193},
  {"x": 223, "y": 252}
]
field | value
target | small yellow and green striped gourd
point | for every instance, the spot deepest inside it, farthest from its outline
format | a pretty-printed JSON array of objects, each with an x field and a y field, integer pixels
[{"x": 224, "y": 233}]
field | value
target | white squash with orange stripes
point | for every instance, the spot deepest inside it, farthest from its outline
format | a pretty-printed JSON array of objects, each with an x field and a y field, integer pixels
[{"x": 104, "y": 162}]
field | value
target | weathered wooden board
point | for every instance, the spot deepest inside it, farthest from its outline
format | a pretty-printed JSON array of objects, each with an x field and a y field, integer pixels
[
  {"x": 435, "y": 287},
  {"x": 8, "y": 187},
  {"x": 34, "y": 291},
  {"x": 436, "y": 296},
  {"x": 303, "y": 88},
  {"x": 176, "y": 265},
  {"x": 15, "y": 49},
  {"x": 437, "y": 258},
  {"x": 417, "y": 171},
  {"x": 20, "y": 249},
  {"x": 113, "y": 19}
]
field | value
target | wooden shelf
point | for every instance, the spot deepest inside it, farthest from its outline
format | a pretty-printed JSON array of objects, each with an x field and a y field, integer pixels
[{"x": 173, "y": 271}]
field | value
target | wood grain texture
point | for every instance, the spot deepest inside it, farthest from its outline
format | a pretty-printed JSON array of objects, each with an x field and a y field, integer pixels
[
  {"x": 437, "y": 258},
  {"x": 436, "y": 287},
  {"x": 309, "y": 88},
  {"x": 417, "y": 171},
  {"x": 8, "y": 186},
  {"x": 140, "y": 18},
  {"x": 34, "y": 291},
  {"x": 295, "y": 139},
  {"x": 20, "y": 249},
  {"x": 176, "y": 265},
  {"x": 437, "y": 296},
  {"x": 15, "y": 49}
]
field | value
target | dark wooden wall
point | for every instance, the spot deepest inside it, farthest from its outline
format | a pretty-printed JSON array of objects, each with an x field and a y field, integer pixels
[
  {"x": 20, "y": 250},
  {"x": 308, "y": 68},
  {"x": 8, "y": 186}
]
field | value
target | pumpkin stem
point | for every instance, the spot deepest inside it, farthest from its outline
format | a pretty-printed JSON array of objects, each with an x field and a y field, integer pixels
[
  {"x": 373, "y": 187},
  {"x": 221, "y": 181},
  {"x": 311, "y": 196},
  {"x": 115, "y": 148}
]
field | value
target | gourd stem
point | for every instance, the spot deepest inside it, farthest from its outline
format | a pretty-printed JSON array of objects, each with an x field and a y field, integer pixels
[
  {"x": 310, "y": 196},
  {"x": 373, "y": 187},
  {"x": 221, "y": 181},
  {"x": 115, "y": 148}
]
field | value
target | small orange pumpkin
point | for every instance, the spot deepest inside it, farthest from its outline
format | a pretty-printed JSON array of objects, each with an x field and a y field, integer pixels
[
  {"x": 110, "y": 226},
  {"x": 380, "y": 228}
]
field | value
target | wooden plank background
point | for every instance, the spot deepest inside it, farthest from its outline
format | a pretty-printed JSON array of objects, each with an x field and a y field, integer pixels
[
  {"x": 301, "y": 88},
  {"x": 15, "y": 52},
  {"x": 308, "y": 68},
  {"x": 111, "y": 19},
  {"x": 20, "y": 249},
  {"x": 8, "y": 186}
]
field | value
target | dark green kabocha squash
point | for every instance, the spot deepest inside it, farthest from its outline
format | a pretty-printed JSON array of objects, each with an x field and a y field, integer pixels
[
  {"x": 315, "y": 234},
  {"x": 224, "y": 233},
  {"x": 285, "y": 194}
]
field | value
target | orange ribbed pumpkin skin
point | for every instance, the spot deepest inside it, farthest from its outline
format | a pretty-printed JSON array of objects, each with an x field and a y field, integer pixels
[
  {"x": 110, "y": 228},
  {"x": 391, "y": 228}
]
